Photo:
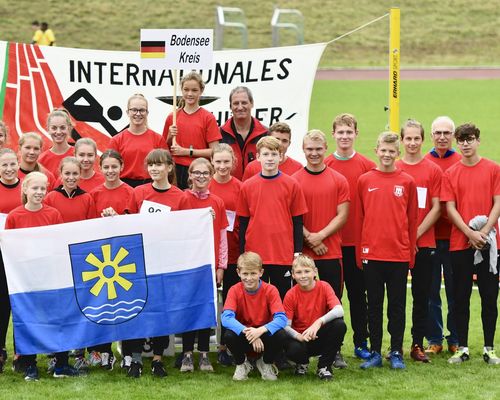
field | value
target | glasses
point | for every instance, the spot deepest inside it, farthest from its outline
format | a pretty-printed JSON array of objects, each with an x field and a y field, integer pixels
[
  {"x": 469, "y": 140},
  {"x": 442, "y": 133},
  {"x": 197, "y": 174},
  {"x": 141, "y": 111}
]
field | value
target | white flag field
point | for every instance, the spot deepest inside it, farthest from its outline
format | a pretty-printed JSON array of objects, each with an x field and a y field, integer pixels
[{"x": 94, "y": 85}]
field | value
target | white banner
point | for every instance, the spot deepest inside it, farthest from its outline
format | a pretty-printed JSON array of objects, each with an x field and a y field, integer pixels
[{"x": 94, "y": 85}]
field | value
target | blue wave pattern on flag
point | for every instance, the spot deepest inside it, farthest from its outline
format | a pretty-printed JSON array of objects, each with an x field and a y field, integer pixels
[{"x": 164, "y": 286}]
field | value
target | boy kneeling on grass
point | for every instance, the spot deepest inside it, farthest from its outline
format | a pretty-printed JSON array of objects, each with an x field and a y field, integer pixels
[
  {"x": 254, "y": 319},
  {"x": 315, "y": 320}
]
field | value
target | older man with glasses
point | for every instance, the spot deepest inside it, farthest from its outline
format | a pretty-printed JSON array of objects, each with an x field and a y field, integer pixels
[{"x": 444, "y": 156}]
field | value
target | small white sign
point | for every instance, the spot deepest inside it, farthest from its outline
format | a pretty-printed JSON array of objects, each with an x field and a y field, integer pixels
[
  {"x": 422, "y": 197},
  {"x": 151, "y": 207},
  {"x": 231, "y": 217},
  {"x": 176, "y": 48}
]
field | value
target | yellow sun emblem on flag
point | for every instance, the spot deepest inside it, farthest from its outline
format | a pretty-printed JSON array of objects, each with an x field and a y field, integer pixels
[{"x": 108, "y": 272}]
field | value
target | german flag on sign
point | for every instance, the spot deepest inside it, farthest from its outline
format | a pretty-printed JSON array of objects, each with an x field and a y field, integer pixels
[{"x": 152, "y": 49}]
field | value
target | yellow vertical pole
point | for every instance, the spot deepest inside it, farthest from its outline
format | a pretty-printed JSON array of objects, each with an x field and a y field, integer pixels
[{"x": 394, "y": 72}]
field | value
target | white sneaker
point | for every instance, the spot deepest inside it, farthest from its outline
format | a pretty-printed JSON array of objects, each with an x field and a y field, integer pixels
[
  {"x": 268, "y": 371},
  {"x": 242, "y": 370},
  {"x": 126, "y": 362}
]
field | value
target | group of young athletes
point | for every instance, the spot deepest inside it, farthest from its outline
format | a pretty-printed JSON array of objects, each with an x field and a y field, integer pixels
[{"x": 278, "y": 226}]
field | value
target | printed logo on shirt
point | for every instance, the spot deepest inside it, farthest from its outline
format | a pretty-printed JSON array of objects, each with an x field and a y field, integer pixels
[
  {"x": 365, "y": 250},
  {"x": 372, "y": 189},
  {"x": 287, "y": 274},
  {"x": 398, "y": 190}
]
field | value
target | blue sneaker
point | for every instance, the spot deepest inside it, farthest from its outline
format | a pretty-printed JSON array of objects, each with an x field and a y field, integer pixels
[
  {"x": 65, "y": 371},
  {"x": 362, "y": 352},
  {"x": 375, "y": 360},
  {"x": 31, "y": 373},
  {"x": 224, "y": 358},
  {"x": 396, "y": 360}
]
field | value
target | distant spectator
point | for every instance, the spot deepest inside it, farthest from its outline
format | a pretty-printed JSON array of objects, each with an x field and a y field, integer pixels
[{"x": 43, "y": 36}]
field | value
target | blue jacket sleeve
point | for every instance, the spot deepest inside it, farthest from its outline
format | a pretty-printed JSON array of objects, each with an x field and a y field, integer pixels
[
  {"x": 229, "y": 321},
  {"x": 279, "y": 322}
]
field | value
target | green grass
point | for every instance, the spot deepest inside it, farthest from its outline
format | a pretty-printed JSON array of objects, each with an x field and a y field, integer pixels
[
  {"x": 463, "y": 100},
  {"x": 433, "y": 32},
  {"x": 474, "y": 380}
]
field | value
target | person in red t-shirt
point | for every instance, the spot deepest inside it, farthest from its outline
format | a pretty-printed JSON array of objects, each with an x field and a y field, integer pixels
[
  {"x": 471, "y": 189},
  {"x": 282, "y": 132},
  {"x": 10, "y": 198},
  {"x": 316, "y": 325},
  {"x": 444, "y": 156},
  {"x": 35, "y": 213},
  {"x": 242, "y": 131},
  {"x": 30, "y": 148},
  {"x": 271, "y": 206},
  {"x": 86, "y": 154},
  {"x": 227, "y": 187},
  {"x": 200, "y": 173},
  {"x": 113, "y": 197},
  {"x": 135, "y": 142},
  {"x": 427, "y": 176},
  {"x": 327, "y": 197},
  {"x": 59, "y": 126},
  {"x": 386, "y": 240},
  {"x": 73, "y": 203},
  {"x": 254, "y": 319},
  {"x": 162, "y": 190},
  {"x": 196, "y": 131},
  {"x": 351, "y": 164}
]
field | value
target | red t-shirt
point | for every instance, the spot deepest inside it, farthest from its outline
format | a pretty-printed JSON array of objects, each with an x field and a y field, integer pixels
[
  {"x": 51, "y": 160},
  {"x": 189, "y": 202},
  {"x": 388, "y": 210},
  {"x": 10, "y": 196},
  {"x": 20, "y": 217},
  {"x": 254, "y": 309},
  {"x": 304, "y": 307},
  {"x": 51, "y": 179},
  {"x": 289, "y": 167},
  {"x": 229, "y": 193},
  {"x": 87, "y": 184},
  {"x": 170, "y": 197},
  {"x": 120, "y": 198},
  {"x": 323, "y": 192},
  {"x": 76, "y": 208},
  {"x": 270, "y": 203},
  {"x": 134, "y": 149},
  {"x": 472, "y": 189},
  {"x": 197, "y": 129},
  {"x": 442, "y": 227},
  {"x": 428, "y": 177},
  {"x": 352, "y": 169}
]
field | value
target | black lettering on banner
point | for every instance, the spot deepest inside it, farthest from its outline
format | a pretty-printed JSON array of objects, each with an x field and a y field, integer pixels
[
  {"x": 283, "y": 67},
  {"x": 237, "y": 71},
  {"x": 240, "y": 72},
  {"x": 99, "y": 70},
  {"x": 249, "y": 71},
  {"x": 132, "y": 71},
  {"x": 153, "y": 210},
  {"x": 114, "y": 73},
  {"x": 275, "y": 114},
  {"x": 266, "y": 69}
]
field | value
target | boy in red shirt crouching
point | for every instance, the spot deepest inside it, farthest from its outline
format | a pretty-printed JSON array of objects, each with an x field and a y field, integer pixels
[
  {"x": 254, "y": 319},
  {"x": 315, "y": 320}
]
